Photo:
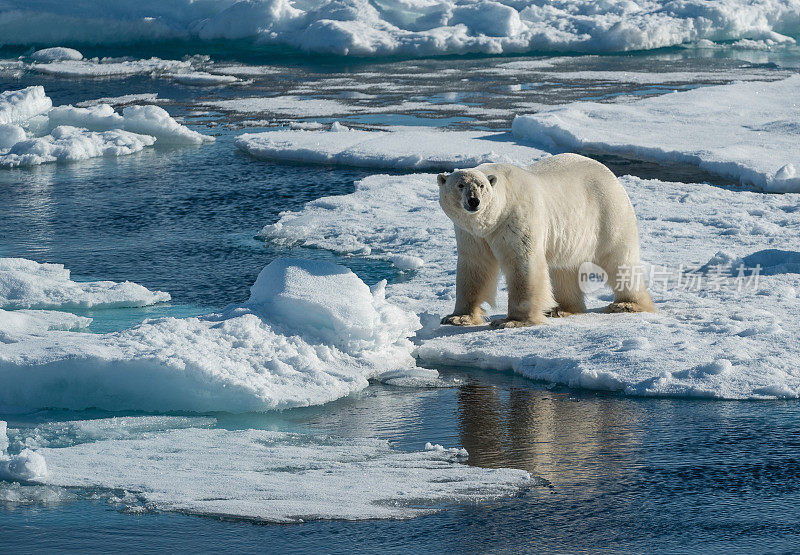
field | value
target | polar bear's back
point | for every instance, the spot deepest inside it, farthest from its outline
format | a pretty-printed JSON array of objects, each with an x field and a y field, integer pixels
[{"x": 585, "y": 207}]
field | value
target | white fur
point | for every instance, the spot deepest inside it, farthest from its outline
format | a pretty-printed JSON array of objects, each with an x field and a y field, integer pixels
[{"x": 538, "y": 225}]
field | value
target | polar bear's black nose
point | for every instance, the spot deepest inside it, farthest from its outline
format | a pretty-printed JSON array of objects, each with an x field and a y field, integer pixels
[{"x": 473, "y": 203}]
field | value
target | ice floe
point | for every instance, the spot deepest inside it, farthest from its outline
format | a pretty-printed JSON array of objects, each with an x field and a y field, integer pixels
[
  {"x": 287, "y": 105},
  {"x": 32, "y": 132},
  {"x": 109, "y": 67},
  {"x": 744, "y": 131},
  {"x": 18, "y": 324},
  {"x": 416, "y": 28},
  {"x": 19, "y": 106},
  {"x": 25, "y": 466},
  {"x": 714, "y": 335},
  {"x": 29, "y": 284},
  {"x": 56, "y": 54},
  {"x": 276, "y": 476},
  {"x": 123, "y": 100},
  {"x": 407, "y": 148},
  {"x": 310, "y": 333},
  {"x": 203, "y": 78}
]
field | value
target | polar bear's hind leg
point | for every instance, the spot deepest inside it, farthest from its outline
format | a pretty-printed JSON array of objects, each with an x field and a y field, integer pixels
[
  {"x": 567, "y": 293},
  {"x": 630, "y": 292}
]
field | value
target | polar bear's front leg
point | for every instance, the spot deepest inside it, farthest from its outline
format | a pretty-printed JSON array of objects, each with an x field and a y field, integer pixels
[
  {"x": 529, "y": 291},
  {"x": 476, "y": 280}
]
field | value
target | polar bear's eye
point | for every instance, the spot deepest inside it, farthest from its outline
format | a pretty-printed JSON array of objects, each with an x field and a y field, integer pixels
[{"x": 460, "y": 185}]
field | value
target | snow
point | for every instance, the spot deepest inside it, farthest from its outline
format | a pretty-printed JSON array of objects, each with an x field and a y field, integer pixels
[
  {"x": 734, "y": 341},
  {"x": 26, "y": 466},
  {"x": 10, "y": 135},
  {"x": 405, "y": 148},
  {"x": 32, "y": 132},
  {"x": 19, "y": 106},
  {"x": 70, "y": 144},
  {"x": 202, "y": 78},
  {"x": 256, "y": 356},
  {"x": 413, "y": 28},
  {"x": 743, "y": 131},
  {"x": 287, "y": 105},
  {"x": 109, "y": 67},
  {"x": 123, "y": 100},
  {"x": 149, "y": 120},
  {"x": 276, "y": 476},
  {"x": 56, "y": 54},
  {"x": 17, "y": 324},
  {"x": 29, "y": 284}
]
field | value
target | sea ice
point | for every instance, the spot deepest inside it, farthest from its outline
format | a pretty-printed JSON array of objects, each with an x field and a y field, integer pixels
[
  {"x": 203, "y": 78},
  {"x": 29, "y": 284},
  {"x": 406, "y": 148},
  {"x": 18, "y": 106},
  {"x": 310, "y": 333},
  {"x": 123, "y": 100},
  {"x": 744, "y": 131},
  {"x": 56, "y": 54},
  {"x": 277, "y": 476},
  {"x": 32, "y": 132},
  {"x": 16, "y": 325},
  {"x": 412, "y": 28},
  {"x": 713, "y": 335},
  {"x": 26, "y": 466},
  {"x": 148, "y": 120},
  {"x": 110, "y": 67},
  {"x": 287, "y": 105},
  {"x": 70, "y": 144}
]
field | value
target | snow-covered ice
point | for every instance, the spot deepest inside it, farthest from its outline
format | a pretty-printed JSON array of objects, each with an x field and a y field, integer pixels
[
  {"x": 29, "y": 284},
  {"x": 310, "y": 333},
  {"x": 71, "y": 144},
  {"x": 276, "y": 476},
  {"x": 25, "y": 466},
  {"x": 123, "y": 100},
  {"x": 32, "y": 132},
  {"x": 18, "y": 106},
  {"x": 744, "y": 131},
  {"x": 17, "y": 324},
  {"x": 203, "y": 78},
  {"x": 56, "y": 54},
  {"x": 406, "y": 148},
  {"x": 287, "y": 105},
  {"x": 148, "y": 120},
  {"x": 111, "y": 67},
  {"x": 707, "y": 341},
  {"x": 412, "y": 28}
]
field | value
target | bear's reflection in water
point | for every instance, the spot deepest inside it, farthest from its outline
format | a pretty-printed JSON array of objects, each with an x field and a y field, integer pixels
[{"x": 564, "y": 439}]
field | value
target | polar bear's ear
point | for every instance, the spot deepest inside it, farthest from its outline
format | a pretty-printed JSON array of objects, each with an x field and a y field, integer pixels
[
  {"x": 441, "y": 178},
  {"x": 492, "y": 180}
]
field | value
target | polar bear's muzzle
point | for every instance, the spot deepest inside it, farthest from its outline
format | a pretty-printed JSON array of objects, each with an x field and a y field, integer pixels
[{"x": 472, "y": 204}]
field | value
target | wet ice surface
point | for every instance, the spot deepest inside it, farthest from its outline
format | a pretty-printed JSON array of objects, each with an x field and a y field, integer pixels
[{"x": 713, "y": 474}]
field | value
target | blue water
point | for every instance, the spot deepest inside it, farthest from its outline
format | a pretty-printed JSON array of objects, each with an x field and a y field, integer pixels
[{"x": 617, "y": 473}]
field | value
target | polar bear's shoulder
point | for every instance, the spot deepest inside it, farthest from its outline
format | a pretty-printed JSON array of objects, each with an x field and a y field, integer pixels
[
  {"x": 509, "y": 171},
  {"x": 569, "y": 162}
]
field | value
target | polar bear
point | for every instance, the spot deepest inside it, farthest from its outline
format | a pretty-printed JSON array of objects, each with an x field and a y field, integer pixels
[{"x": 539, "y": 225}]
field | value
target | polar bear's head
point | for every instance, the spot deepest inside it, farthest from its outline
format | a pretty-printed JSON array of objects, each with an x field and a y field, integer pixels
[{"x": 470, "y": 199}]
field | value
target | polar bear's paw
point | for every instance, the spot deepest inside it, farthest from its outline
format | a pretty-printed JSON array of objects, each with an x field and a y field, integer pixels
[
  {"x": 463, "y": 320},
  {"x": 558, "y": 312},
  {"x": 627, "y": 306},
  {"x": 504, "y": 323}
]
